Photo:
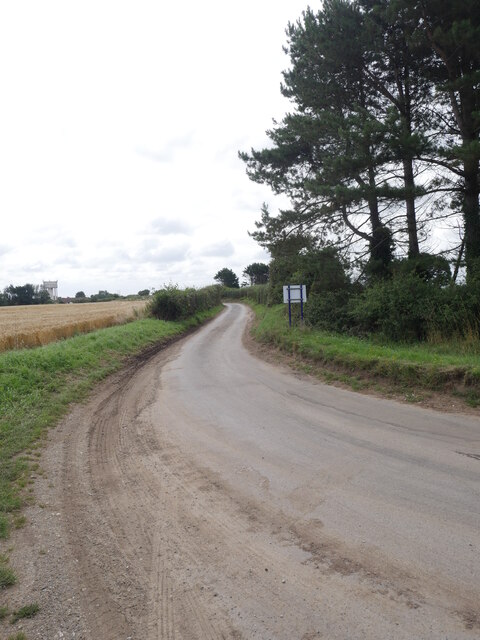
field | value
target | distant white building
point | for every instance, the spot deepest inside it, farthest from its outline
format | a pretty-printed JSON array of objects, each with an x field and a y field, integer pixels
[{"x": 52, "y": 287}]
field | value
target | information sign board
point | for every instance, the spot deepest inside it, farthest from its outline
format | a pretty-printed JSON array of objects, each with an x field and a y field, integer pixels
[{"x": 294, "y": 293}]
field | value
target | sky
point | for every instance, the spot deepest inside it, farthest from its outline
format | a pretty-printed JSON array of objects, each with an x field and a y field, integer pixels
[{"x": 120, "y": 124}]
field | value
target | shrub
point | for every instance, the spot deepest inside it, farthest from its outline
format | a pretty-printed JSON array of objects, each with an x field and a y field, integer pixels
[
  {"x": 399, "y": 309},
  {"x": 409, "y": 307},
  {"x": 329, "y": 311},
  {"x": 172, "y": 303},
  {"x": 426, "y": 266}
]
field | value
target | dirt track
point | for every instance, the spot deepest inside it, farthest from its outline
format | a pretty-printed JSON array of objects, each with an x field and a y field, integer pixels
[{"x": 209, "y": 495}]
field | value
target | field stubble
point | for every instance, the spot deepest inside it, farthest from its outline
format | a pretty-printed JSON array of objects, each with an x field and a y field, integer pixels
[{"x": 36, "y": 325}]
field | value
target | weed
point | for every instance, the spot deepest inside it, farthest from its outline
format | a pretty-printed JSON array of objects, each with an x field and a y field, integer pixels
[
  {"x": 7, "y": 576},
  {"x": 3, "y": 612},
  {"x": 19, "y": 522},
  {"x": 18, "y": 636},
  {"x": 28, "y": 611},
  {"x": 4, "y": 526}
]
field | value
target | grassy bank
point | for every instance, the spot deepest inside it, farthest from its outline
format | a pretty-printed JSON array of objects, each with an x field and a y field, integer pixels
[
  {"x": 37, "y": 386},
  {"x": 450, "y": 367}
]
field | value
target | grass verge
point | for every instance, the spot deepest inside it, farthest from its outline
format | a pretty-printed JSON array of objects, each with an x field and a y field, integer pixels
[
  {"x": 362, "y": 362},
  {"x": 37, "y": 387}
]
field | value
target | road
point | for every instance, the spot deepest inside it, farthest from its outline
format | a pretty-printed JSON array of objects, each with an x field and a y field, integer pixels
[{"x": 208, "y": 494}]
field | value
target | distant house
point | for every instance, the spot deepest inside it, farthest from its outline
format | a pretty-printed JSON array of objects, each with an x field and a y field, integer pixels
[{"x": 52, "y": 287}]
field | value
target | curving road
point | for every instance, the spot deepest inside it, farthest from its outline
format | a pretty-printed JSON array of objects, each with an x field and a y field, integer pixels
[{"x": 210, "y": 495}]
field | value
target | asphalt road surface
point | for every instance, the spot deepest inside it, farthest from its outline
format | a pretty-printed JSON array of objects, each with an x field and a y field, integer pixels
[{"x": 209, "y": 495}]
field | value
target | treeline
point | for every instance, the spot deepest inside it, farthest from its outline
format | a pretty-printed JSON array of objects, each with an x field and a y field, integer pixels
[
  {"x": 380, "y": 153},
  {"x": 34, "y": 294},
  {"x": 24, "y": 294}
]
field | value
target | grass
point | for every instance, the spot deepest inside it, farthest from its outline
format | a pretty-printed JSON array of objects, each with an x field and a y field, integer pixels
[
  {"x": 419, "y": 366},
  {"x": 3, "y": 612},
  {"x": 18, "y": 636},
  {"x": 7, "y": 576},
  {"x": 28, "y": 611},
  {"x": 37, "y": 387}
]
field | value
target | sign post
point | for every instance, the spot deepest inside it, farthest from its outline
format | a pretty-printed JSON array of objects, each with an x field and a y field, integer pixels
[{"x": 294, "y": 293}]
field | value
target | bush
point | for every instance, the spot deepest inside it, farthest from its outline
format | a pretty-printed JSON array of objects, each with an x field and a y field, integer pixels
[
  {"x": 329, "y": 311},
  {"x": 400, "y": 309},
  {"x": 409, "y": 307},
  {"x": 172, "y": 303},
  {"x": 425, "y": 266}
]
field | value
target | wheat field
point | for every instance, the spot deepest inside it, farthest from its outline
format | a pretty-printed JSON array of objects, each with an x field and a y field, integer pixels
[{"x": 35, "y": 325}]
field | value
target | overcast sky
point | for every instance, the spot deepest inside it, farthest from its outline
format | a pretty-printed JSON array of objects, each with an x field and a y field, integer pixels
[{"x": 119, "y": 131}]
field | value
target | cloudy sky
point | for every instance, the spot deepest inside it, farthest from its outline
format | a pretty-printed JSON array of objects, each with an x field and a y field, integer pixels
[{"x": 119, "y": 130}]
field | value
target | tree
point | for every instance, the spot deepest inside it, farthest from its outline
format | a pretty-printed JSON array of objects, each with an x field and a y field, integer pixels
[
  {"x": 80, "y": 295},
  {"x": 330, "y": 156},
  {"x": 227, "y": 278},
  {"x": 144, "y": 292},
  {"x": 452, "y": 29},
  {"x": 104, "y": 296},
  {"x": 25, "y": 295},
  {"x": 395, "y": 72},
  {"x": 257, "y": 272}
]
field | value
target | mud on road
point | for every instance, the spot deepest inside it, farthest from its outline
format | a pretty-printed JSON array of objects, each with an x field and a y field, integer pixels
[{"x": 209, "y": 495}]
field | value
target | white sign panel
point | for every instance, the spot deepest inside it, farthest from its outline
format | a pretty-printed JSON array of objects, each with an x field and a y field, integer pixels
[{"x": 298, "y": 293}]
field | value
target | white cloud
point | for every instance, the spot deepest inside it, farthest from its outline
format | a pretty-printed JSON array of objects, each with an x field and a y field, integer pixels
[
  {"x": 122, "y": 121},
  {"x": 223, "y": 249},
  {"x": 166, "y": 226}
]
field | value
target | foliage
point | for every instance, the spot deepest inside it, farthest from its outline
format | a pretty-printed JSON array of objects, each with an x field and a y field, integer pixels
[
  {"x": 257, "y": 272},
  {"x": 104, "y": 296},
  {"x": 384, "y": 135},
  {"x": 144, "y": 292},
  {"x": 319, "y": 269},
  {"x": 413, "y": 307},
  {"x": 426, "y": 266},
  {"x": 329, "y": 311},
  {"x": 172, "y": 303},
  {"x": 227, "y": 278},
  {"x": 258, "y": 293},
  {"x": 26, "y": 294}
]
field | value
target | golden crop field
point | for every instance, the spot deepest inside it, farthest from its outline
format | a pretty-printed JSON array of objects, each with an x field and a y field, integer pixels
[{"x": 35, "y": 325}]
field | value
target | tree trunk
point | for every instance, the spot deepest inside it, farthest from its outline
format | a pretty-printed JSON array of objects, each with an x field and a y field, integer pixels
[
  {"x": 409, "y": 181},
  {"x": 471, "y": 214}
]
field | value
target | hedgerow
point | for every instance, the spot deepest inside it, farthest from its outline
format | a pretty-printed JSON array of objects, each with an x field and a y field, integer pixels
[{"x": 172, "y": 303}]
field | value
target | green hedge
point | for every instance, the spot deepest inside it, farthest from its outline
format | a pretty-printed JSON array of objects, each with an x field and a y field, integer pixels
[
  {"x": 172, "y": 303},
  {"x": 257, "y": 293}
]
